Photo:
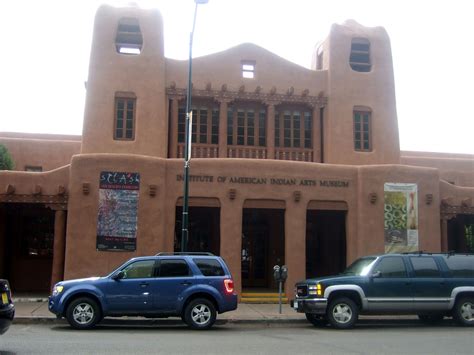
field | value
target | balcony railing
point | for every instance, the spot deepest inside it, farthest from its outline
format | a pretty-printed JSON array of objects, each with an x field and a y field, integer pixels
[
  {"x": 239, "y": 151},
  {"x": 298, "y": 154},
  {"x": 199, "y": 150}
]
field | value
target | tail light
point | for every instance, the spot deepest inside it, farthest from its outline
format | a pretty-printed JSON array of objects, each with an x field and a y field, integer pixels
[{"x": 229, "y": 285}]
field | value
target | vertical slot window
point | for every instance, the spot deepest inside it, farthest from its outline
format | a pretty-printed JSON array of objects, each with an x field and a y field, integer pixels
[
  {"x": 362, "y": 128},
  {"x": 124, "y": 118}
]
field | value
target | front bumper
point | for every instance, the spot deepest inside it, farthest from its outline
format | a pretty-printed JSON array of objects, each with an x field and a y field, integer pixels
[
  {"x": 310, "y": 305},
  {"x": 6, "y": 316}
]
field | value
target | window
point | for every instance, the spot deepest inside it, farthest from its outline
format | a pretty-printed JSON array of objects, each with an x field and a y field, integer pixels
[
  {"x": 32, "y": 168},
  {"x": 246, "y": 125},
  {"x": 129, "y": 38},
  {"x": 173, "y": 268},
  {"x": 248, "y": 69},
  {"x": 425, "y": 267},
  {"x": 209, "y": 267},
  {"x": 205, "y": 124},
  {"x": 360, "y": 55},
  {"x": 139, "y": 270},
  {"x": 460, "y": 265},
  {"x": 293, "y": 128},
  {"x": 362, "y": 127},
  {"x": 124, "y": 118},
  {"x": 391, "y": 267}
]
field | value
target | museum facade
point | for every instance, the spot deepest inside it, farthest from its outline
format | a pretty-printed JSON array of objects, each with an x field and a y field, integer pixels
[{"x": 289, "y": 165}]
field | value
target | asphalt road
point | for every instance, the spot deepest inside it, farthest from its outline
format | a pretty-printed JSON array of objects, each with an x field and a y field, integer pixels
[{"x": 123, "y": 337}]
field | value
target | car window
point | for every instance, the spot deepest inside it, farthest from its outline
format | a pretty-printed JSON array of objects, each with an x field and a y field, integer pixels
[
  {"x": 139, "y": 269},
  {"x": 460, "y": 265},
  {"x": 392, "y": 266},
  {"x": 209, "y": 267},
  {"x": 173, "y": 268},
  {"x": 425, "y": 266},
  {"x": 360, "y": 267}
]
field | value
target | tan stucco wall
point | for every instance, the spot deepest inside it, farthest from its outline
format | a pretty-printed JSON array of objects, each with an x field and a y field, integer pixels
[
  {"x": 143, "y": 75},
  {"x": 348, "y": 88},
  {"x": 156, "y": 215},
  {"x": 49, "y": 152},
  {"x": 454, "y": 168}
]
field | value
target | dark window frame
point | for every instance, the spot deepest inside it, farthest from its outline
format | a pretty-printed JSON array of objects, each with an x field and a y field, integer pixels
[
  {"x": 359, "y": 58},
  {"x": 289, "y": 130},
  {"x": 120, "y": 123},
  {"x": 244, "y": 122},
  {"x": 359, "y": 130},
  {"x": 205, "y": 130}
]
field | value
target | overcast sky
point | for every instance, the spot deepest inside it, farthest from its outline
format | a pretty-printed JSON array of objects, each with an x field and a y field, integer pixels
[{"x": 46, "y": 47}]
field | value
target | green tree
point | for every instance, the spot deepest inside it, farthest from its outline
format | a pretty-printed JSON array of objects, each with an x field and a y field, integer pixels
[{"x": 6, "y": 161}]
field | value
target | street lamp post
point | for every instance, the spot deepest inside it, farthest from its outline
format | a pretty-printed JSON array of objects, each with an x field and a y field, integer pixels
[{"x": 187, "y": 143}]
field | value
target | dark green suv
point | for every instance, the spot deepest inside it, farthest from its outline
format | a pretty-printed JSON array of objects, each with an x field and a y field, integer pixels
[{"x": 430, "y": 285}]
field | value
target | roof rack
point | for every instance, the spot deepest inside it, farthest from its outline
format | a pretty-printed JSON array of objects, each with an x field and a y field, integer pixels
[{"x": 185, "y": 253}]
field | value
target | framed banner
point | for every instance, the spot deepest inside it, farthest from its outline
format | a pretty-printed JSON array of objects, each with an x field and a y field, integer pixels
[
  {"x": 400, "y": 217},
  {"x": 118, "y": 211}
]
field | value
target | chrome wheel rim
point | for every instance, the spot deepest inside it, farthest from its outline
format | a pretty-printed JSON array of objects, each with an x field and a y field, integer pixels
[
  {"x": 201, "y": 314},
  {"x": 467, "y": 311},
  {"x": 83, "y": 313},
  {"x": 342, "y": 313}
]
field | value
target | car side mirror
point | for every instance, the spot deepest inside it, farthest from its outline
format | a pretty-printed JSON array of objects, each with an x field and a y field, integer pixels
[
  {"x": 376, "y": 274},
  {"x": 119, "y": 275}
]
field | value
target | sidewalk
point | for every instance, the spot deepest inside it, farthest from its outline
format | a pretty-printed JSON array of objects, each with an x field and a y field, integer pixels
[{"x": 35, "y": 310}]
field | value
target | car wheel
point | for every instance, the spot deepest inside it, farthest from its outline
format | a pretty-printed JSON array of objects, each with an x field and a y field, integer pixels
[
  {"x": 431, "y": 318},
  {"x": 464, "y": 311},
  {"x": 200, "y": 314},
  {"x": 318, "y": 320},
  {"x": 83, "y": 313},
  {"x": 342, "y": 313}
]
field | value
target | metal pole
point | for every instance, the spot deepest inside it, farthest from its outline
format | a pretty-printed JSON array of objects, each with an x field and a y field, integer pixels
[
  {"x": 187, "y": 143},
  {"x": 279, "y": 292}
]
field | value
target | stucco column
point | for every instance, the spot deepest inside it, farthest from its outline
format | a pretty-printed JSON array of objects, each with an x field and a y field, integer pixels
[
  {"x": 295, "y": 244},
  {"x": 173, "y": 144},
  {"x": 57, "y": 273},
  {"x": 444, "y": 234},
  {"x": 270, "y": 128},
  {"x": 231, "y": 239},
  {"x": 316, "y": 134},
  {"x": 223, "y": 127}
]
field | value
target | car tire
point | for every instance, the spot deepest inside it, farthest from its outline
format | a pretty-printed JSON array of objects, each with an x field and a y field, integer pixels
[
  {"x": 342, "y": 313},
  {"x": 83, "y": 313},
  {"x": 463, "y": 311},
  {"x": 318, "y": 320},
  {"x": 430, "y": 318},
  {"x": 200, "y": 314}
]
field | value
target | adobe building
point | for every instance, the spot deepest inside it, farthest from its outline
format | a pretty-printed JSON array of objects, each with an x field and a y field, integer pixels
[{"x": 289, "y": 165}]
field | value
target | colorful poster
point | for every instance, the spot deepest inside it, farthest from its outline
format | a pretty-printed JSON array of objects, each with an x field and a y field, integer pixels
[
  {"x": 118, "y": 211},
  {"x": 401, "y": 217}
]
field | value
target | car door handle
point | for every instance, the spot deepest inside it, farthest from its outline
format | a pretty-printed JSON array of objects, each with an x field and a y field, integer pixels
[
  {"x": 186, "y": 283},
  {"x": 144, "y": 284}
]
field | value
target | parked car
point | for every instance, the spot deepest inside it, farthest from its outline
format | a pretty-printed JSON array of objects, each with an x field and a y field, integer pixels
[
  {"x": 430, "y": 285},
  {"x": 193, "y": 286},
  {"x": 7, "y": 309}
]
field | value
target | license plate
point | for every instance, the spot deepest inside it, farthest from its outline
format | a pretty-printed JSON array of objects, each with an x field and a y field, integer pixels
[
  {"x": 295, "y": 304},
  {"x": 4, "y": 298}
]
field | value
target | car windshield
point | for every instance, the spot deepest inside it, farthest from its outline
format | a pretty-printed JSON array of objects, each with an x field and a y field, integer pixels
[{"x": 360, "y": 267}]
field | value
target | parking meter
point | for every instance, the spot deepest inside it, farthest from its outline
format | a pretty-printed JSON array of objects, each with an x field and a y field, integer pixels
[
  {"x": 280, "y": 274},
  {"x": 276, "y": 273},
  {"x": 284, "y": 273}
]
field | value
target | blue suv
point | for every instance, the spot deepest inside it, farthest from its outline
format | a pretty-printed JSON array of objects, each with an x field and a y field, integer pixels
[{"x": 193, "y": 286}]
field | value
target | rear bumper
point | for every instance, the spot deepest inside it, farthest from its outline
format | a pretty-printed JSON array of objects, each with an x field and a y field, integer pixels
[
  {"x": 230, "y": 304},
  {"x": 6, "y": 316},
  {"x": 310, "y": 305}
]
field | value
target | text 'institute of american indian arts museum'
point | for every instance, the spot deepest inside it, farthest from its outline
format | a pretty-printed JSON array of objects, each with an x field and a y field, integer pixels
[{"x": 289, "y": 165}]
